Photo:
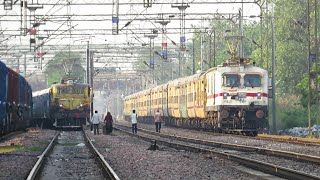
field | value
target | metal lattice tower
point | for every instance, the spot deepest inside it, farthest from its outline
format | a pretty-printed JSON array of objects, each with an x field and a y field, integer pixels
[
  {"x": 115, "y": 17},
  {"x": 182, "y": 8},
  {"x": 164, "y": 43}
]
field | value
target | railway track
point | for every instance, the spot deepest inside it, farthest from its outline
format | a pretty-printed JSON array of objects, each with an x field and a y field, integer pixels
[
  {"x": 299, "y": 141},
  {"x": 7, "y": 136},
  {"x": 238, "y": 153},
  {"x": 71, "y": 155},
  {"x": 286, "y": 154},
  {"x": 266, "y": 137}
]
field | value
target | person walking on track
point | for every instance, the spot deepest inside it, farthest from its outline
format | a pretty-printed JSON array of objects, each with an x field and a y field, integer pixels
[
  {"x": 95, "y": 121},
  {"x": 109, "y": 122},
  {"x": 134, "y": 121},
  {"x": 157, "y": 120}
]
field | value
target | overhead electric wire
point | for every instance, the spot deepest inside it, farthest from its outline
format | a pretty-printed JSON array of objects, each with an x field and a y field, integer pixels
[{"x": 49, "y": 61}]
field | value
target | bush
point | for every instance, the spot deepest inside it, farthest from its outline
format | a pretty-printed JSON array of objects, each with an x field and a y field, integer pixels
[{"x": 289, "y": 113}]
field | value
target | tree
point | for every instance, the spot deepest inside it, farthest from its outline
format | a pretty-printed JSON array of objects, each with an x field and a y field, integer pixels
[{"x": 65, "y": 64}]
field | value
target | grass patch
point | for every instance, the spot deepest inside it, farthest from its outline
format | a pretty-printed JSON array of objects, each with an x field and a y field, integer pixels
[
  {"x": 43, "y": 142},
  {"x": 7, "y": 149}
]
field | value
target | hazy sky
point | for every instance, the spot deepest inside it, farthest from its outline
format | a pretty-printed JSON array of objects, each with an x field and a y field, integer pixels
[
  {"x": 104, "y": 23},
  {"x": 249, "y": 9}
]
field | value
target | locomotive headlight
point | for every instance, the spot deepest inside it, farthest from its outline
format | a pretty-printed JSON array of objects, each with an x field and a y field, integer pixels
[
  {"x": 225, "y": 95},
  {"x": 224, "y": 113},
  {"x": 60, "y": 105},
  {"x": 81, "y": 105},
  {"x": 259, "y": 95},
  {"x": 259, "y": 114}
]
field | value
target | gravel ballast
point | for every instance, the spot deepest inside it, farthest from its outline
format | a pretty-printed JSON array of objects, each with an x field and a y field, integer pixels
[
  {"x": 19, "y": 153},
  {"x": 130, "y": 159},
  {"x": 233, "y": 139}
]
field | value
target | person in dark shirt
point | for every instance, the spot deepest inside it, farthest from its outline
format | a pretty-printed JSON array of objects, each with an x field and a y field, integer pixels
[{"x": 109, "y": 122}]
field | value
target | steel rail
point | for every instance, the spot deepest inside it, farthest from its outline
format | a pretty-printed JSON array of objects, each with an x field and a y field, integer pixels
[
  {"x": 254, "y": 164},
  {"x": 103, "y": 162},
  {"x": 304, "y": 143},
  {"x": 297, "y": 156},
  {"x": 287, "y": 141},
  {"x": 35, "y": 170}
]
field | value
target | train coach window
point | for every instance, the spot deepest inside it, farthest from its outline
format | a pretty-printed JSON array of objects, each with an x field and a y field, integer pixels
[
  {"x": 252, "y": 80},
  {"x": 231, "y": 80}
]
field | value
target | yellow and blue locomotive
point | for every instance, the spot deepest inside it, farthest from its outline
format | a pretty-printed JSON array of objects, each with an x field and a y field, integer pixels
[{"x": 65, "y": 105}]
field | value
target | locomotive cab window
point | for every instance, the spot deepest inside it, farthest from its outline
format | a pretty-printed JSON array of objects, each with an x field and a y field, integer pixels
[
  {"x": 71, "y": 90},
  {"x": 231, "y": 80},
  {"x": 252, "y": 80}
]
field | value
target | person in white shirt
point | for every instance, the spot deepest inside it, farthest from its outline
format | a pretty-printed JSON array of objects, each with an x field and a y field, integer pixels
[
  {"x": 95, "y": 120},
  {"x": 134, "y": 121},
  {"x": 157, "y": 120}
]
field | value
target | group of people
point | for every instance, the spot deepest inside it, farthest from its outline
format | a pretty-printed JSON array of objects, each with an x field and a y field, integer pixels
[
  {"x": 95, "y": 121},
  {"x": 134, "y": 121},
  {"x": 157, "y": 120}
]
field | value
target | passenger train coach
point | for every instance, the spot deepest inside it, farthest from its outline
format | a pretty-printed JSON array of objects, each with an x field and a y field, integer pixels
[{"x": 231, "y": 98}]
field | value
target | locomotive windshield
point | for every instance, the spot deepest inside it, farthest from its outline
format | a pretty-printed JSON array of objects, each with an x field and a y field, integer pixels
[
  {"x": 231, "y": 80},
  {"x": 252, "y": 80},
  {"x": 71, "y": 90}
]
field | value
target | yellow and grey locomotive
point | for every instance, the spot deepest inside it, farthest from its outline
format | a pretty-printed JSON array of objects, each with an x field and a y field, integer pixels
[{"x": 65, "y": 104}]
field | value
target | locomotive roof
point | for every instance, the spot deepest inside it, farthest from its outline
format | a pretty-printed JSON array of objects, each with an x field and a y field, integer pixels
[
  {"x": 41, "y": 92},
  {"x": 2, "y": 63},
  {"x": 66, "y": 84}
]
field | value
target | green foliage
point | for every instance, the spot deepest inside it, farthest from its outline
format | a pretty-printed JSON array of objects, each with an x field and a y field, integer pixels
[
  {"x": 290, "y": 113},
  {"x": 65, "y": 64},
  {"x": 291, "y": 44},
  {"x": 304, "y": 90},
  {"x": 18, "y": 148},
  {"x": 55, "y": 75},
  {"x": 291, "y": 61}
]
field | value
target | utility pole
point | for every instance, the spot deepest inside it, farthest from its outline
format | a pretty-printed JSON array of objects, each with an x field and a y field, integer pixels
[
  {"x": 18, "y": 55},
  {"x": 115, "y": 17},
  {"x": 210, "y": 51},
  {"x": 309, "y": 68},
  {"x": 193, "y": 58},
  {"x": 91, "y": 81},
  {"x": 151, "y": 53},
  {"x": 241, "y": 30},
  {"x": 164, "y": 44},
  {"x": 88, "y": 60},
  {"x": 274, "y": 118},
  {"x": 201, "y": 51},
  {"x": 18, "y": 58},
  {"x": 212, "y": 31},
  {"x": 25, "y": 64},
  {"x": 316, "y": 61},
  {"x": 182, "y": 8},
  {"x": 214, "y": 47},
  {"x": 261, "y": 61}
]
